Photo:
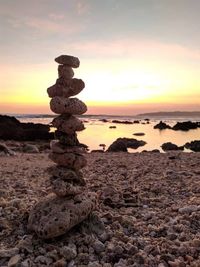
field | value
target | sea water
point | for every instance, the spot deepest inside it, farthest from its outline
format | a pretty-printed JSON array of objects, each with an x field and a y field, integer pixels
[{"x": 98, "y": 132}]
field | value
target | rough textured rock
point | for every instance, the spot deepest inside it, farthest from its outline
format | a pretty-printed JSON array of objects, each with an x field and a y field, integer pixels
[
  {"x": 68, "y": 124},
  {"x": 194, "y": 145},
  {"x": 67, "y": 139},
  {"x": 63, "y": 188},
  {"x": 60, "y": 105},
  {"x": 185, "y": 126},
  {"x": 57, "y": 147},
  {"x": 68, "y": 60},
  {"x": 121, "y": 144},
  {"x": 162, "y": 126},
  {"x": 5, "y": 151},
  {"x": 65, "y": 72},
  {"x": 170, "y": 146},
  {"x": 55, "y": 216},
  {"x": 70, "y": 160},
  {"x": 66, "y": 88},
  {"x": 13, "y": 129},
  {"x": 66, "y": 174}
]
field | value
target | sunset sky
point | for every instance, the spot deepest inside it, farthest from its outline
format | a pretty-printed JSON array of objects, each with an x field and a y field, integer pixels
[{"x": 136, "y": 55}]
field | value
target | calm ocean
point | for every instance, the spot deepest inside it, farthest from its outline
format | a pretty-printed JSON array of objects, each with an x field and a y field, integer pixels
[{"x": 98, "y": 132}]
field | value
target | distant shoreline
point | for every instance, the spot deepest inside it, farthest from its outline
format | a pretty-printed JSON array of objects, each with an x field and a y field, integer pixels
[
  {"x": 171, "y": 114},
  {"x": 148, "y": 114}
]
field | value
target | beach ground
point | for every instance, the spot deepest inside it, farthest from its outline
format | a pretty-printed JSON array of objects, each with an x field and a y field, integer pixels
[{"x": 148, "y": 212}]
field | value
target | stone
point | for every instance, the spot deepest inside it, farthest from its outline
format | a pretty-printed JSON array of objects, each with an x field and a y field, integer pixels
[
  {"x": 193, "y": 145},
  {"x": 13, "y": 129},
  {"x": 59, "y": 148},
  {"x": 69, "y": 160},
  {"x": 4, "y": 150},
  {"x": 170, "y": 146},
  {"x": 60, "y": 105},
  {"x": 121, "y": 144},
  {"x": 67, "y": 124},
  {"x": 59, "y": 172},
  {"x": 66, "y": 88},
  {"x": 69, "y": 252},
  {"x": 68, "y": 60},
  {"x": 28, "y": 148},
  {"x": 8, "y": 253},
  {"x": 54, "y": 216},
  {"x": 62, "y": 188},
  {"x": 14, "y": 261},
  {"x": 162, "y": 126},
  {"x": 189, "y": 209},
  {"x": 65, "y": 71},
  {"x": 67, "y": 139}
]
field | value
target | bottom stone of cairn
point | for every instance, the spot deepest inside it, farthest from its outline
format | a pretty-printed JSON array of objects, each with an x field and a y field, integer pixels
[{"x": 53, "y": 216}]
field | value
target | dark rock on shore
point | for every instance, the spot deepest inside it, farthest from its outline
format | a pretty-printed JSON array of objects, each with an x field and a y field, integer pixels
[
  {"x": 123, "y": 122},
  {"x": 186, "y": 126},
  {"x": 121, "y": 144},
  {"x": 103, "y": 120},
  {"x": 139, "y": 134},
  {"x": 162, "y": 126},
  {"x": 170, "y": 146},
  {"x": 11, "y": 128},
  {"x": 194, "y": 145},
  {"x": 112, "y": 127}
]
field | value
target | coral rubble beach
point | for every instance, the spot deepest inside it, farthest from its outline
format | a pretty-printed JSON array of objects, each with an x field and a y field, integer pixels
[{"x": 148, "y": 214}]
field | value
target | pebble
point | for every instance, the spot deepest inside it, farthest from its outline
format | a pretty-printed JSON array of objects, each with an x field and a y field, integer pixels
[
  {"x": 14, "y": 261},
  {"x": 98, "y": 246},
  {"x": 69, "y": 252},
  {"x": 8, "y": 253}
]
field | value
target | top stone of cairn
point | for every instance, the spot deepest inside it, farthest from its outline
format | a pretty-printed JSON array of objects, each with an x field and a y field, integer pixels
[{"x": 70, "y": 61}]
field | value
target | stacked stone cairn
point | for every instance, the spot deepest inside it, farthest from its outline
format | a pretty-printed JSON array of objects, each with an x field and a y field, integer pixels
[{"x": 70, "y": 203}]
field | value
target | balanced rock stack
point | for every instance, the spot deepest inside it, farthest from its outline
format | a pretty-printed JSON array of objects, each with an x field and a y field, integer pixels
[{"x": 70, "y": 202}]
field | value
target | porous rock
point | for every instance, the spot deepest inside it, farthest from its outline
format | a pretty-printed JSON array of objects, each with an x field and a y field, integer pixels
[
  {"x": 70, "y": 160},
  {"x": 68, "y": 60},
  {"x": 54, "y": 216},
  {"x": 65, "y": 72},
  {"x": 66, "y": 88},
  {"x": 66, "y": 174},
  {"x": 62, "y": 188},
  {"x": 67, "y": 139},
  {"x": 57, "y": 147},
  {"x": 60, "y": 105},
  {"x": 68, "y": 124}
]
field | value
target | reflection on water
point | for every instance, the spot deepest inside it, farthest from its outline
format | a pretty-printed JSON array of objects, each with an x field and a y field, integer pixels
[{"x": 98, "y": 132}]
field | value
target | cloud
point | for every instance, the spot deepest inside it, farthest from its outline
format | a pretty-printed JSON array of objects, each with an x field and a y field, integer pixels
[{"x": 82, "y": 7}]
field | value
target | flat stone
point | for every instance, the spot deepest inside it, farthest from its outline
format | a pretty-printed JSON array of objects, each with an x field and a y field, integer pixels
[
  {"x": 68, "y": 124},
  {"x": 14, "y": 261},
  {"x": 66, "y": 88},
  {"x": 54, "y": 216},
  {"x": 68, "y": 60},
  {"x": 62, "y": 188},
  {"x": 61, "y": 105},
  {"x": 65, "y": 72},
  {"x": 67, "y": 139},
  {"x": 70, "y": 160},
  {"x": 59, "y": 148},
  {"x": 67, "y": 175}
]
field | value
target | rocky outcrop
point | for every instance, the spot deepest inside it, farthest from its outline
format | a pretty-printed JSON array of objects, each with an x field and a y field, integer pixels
[
  {"x": 71, "y": 203},
  {"x": 121, "y": 144},
  {"x": 170, "y": 146},
  {"x": 162, "y": 126},
  {"x": 194, "y": 145},
  {"x": 13, "y": 129},
  {"x": 185, "y": 126}
]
